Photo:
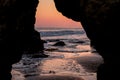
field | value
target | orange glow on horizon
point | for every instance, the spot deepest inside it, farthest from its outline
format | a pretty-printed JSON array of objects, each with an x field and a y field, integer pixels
[{"x": 48, "y": 17}]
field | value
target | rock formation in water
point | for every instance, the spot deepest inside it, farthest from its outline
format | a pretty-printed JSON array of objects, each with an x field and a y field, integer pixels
[
  {"x": 100, "y": 19},
  {"x": 17, "y": 34}
]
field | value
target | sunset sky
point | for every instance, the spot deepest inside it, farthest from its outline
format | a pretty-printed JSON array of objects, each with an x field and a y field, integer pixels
[{"x": 48, "y": 17}]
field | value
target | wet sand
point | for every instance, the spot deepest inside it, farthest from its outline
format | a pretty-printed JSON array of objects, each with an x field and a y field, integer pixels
[
  {"x": 71, "y": 61},
  {"x": 58, "y": 66}
]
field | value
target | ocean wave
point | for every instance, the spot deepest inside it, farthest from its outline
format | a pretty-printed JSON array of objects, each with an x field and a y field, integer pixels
[{"x": 61, "y": 32}]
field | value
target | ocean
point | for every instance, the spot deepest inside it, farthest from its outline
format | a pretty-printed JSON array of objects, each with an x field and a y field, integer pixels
[{"x": 75, "y": 39}]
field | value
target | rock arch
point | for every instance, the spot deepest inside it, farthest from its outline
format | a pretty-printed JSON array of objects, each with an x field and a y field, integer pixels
[{"x": 100, "y": 19}]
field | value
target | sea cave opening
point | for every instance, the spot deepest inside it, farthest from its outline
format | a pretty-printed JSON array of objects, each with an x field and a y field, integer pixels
[
  {"x": 67, "y": 45},
  {"x": 66, "y": 42}
]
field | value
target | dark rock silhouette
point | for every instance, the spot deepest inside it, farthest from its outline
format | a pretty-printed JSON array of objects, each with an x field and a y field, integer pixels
[
  {"x": 60, "y": 43},
  {"x": 100, "y": 19},
  {"x": 17, "y": 34}
]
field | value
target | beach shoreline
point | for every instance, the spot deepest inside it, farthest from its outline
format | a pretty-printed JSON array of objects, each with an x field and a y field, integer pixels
[
  {"x": 70, "y": 58},
  {"x": 56, "y": 67}
]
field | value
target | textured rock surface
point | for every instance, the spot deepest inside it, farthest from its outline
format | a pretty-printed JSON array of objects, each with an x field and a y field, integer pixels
[
  {"x": 100, "y": 19},
  {"x": 17, "y": 34}
]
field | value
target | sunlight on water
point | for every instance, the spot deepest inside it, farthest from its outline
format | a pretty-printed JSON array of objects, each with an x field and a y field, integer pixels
[{"x": 72, "y": 61}]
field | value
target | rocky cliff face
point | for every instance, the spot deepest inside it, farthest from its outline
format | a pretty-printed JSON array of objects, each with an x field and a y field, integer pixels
[
  {"x": 17, "y": 19},
  {"x": 17, "y": 34},
  {"x": 100, "y": 19}
]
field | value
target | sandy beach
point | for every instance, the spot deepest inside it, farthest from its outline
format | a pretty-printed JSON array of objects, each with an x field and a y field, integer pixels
[
  {"x": 80, "y": 66},
  {"x": 71, "y": 59}
]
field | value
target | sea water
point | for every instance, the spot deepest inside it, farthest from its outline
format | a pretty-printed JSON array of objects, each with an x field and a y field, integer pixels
[
  {"x": 76, "y": 40},
  {"x": 75, "y": 57}
]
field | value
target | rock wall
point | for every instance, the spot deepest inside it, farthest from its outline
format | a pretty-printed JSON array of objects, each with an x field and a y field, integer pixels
[
  {"x": 17, "y": 34},
  {"x": 100, "y": 19},
  {"x": 17, "y": 19}
]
